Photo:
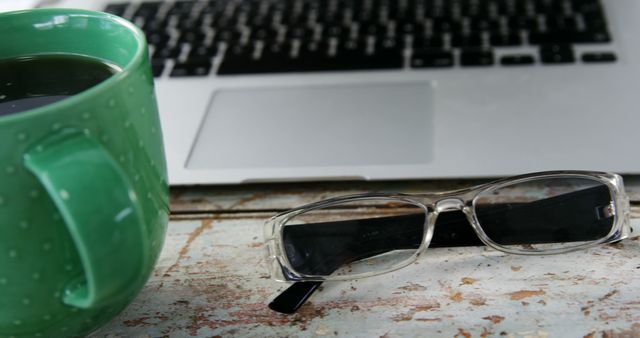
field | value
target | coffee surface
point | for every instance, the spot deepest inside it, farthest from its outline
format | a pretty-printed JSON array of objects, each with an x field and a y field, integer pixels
[{"x": 29, "y": 82}]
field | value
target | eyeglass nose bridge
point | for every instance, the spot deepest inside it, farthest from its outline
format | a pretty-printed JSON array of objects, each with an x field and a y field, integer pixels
[
  {"x": 449, "y": 204},
  {"x": 454, "y": 203}
]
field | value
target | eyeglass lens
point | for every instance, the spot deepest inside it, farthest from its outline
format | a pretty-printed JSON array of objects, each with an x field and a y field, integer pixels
[
  {"x": 554, "y": 213},
  {"x": 338, "y": 241}
]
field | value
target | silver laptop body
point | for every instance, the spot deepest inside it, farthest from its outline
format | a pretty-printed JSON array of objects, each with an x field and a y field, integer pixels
[{"x": 407, "y": 123}]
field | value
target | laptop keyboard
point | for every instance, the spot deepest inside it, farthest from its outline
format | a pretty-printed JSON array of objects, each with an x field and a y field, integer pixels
[{"x": 230, "y": 37}]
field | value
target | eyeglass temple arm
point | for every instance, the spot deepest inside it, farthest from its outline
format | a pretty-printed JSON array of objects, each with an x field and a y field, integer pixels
[
  {"x": 291, "y": 299},
  {"x": 457, "y": 234}
]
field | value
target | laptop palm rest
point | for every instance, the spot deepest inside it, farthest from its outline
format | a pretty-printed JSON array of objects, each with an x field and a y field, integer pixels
[{"x": 316, "y": 126}]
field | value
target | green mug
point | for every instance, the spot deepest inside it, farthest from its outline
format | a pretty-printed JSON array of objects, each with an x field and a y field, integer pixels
[{"x": 83, "y": 181}]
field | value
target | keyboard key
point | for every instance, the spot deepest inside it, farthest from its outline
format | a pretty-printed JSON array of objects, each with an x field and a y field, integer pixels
[
  {"x": 396, "y": 44},
  {"x": 551, "y": 37},
  {"x": 278, "y": 51},
  {"x": 561, "y": 23},
  {"x": 241, "y": 61},
  {"x": 506, "y": 39},
  {"x": 384, "y": 59},
  {"x": 228, "y": 36},
  {"x": 157, "y": 67},
  {"x": 410, "y": 28},
  {"x": 182, "y": 8},
  {"x": 202, "y": 52},
  {"x": 338, "y": 32},
  {"x": 191, "y": 68},
  {"x": 599, "y": 57},
  {"x": 431, "y": 58},
  {"x": 517, "y": 60},
  {"x": 159, "y": 40},
  {"x": 446, "y": 25},
  {"x": 244, "y": 65},
  {"x": 545, "y": 37},
  {"x": 265, "y": 34},
  {"x": 352, "y": 60},
  {"x": 116, "y": 9},
  {"x": 600, "y": 36},
  {"x": 259, "y": 22},
  {"x": 157, "y": 26},
  {"x": 595, "y": 21},
  {"x": 194, "y": 37},
  {"x": 593, "y": 16},
  {"x": 476, "y": 57},
  {"x": 323, "y": 46},
  {"x": 484, "y": 24},
  {"x": 224, "y": 23},
  {"x": 587, "y": 6},
  {"x": 352, "y": 46},
  {"x": 189, "y": 24},
  {"x": 148, "y": 10},
  {"x": 167, "y": 52},
  {"x": 476, "y": 9},
  {"x": 240, "y": 51},
  {"x": 557, "y": 53},
  {"x": 435, "y": 41},
  {"x": 309, "y": 61},
  {"x": 466, "y": 40},
  {"x": 344, "y": 62},
  {"x": 523, "y": 23},
  {"x": 371, "y": 29},
  {"x": 301, "y": 33}
]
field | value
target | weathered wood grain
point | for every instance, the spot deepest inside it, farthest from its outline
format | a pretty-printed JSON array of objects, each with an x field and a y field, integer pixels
[
  {"x": 211, "y": 281},
  {"x": 260, "y": 197}
]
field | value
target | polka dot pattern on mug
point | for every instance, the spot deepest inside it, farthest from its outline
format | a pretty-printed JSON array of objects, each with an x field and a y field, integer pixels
[{"x": 129, "y": 131}]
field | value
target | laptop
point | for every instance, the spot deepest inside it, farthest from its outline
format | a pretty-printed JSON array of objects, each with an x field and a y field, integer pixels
[{"x": 298, "y": 90}]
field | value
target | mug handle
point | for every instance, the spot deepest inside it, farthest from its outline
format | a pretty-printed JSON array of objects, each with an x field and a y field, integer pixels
[{"x": 101, "y": 211}]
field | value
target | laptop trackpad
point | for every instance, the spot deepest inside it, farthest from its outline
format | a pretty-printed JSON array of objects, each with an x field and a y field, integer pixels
[{"x": 316, "y": 126}]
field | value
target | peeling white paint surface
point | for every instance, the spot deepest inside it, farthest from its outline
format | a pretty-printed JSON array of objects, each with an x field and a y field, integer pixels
[
  {"x": 218, "y": 286},
  {"x": 210, "y": 281}
]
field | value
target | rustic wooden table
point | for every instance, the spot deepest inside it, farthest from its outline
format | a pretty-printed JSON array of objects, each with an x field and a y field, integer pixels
[{"x": 211, "y": 280}]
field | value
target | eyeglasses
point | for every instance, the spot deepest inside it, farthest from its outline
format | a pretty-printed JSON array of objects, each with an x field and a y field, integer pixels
[{"x": 364, "y": 235}]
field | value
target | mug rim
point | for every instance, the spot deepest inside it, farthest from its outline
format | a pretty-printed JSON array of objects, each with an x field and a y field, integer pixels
[{"x": 133, "y": 63}]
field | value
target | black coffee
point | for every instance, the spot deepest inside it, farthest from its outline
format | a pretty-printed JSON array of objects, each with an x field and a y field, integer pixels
[{"x": 34, "y": 81}]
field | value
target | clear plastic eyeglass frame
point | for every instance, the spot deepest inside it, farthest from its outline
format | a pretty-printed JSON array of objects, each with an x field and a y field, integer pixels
[{"x": 433, "y": 204}]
